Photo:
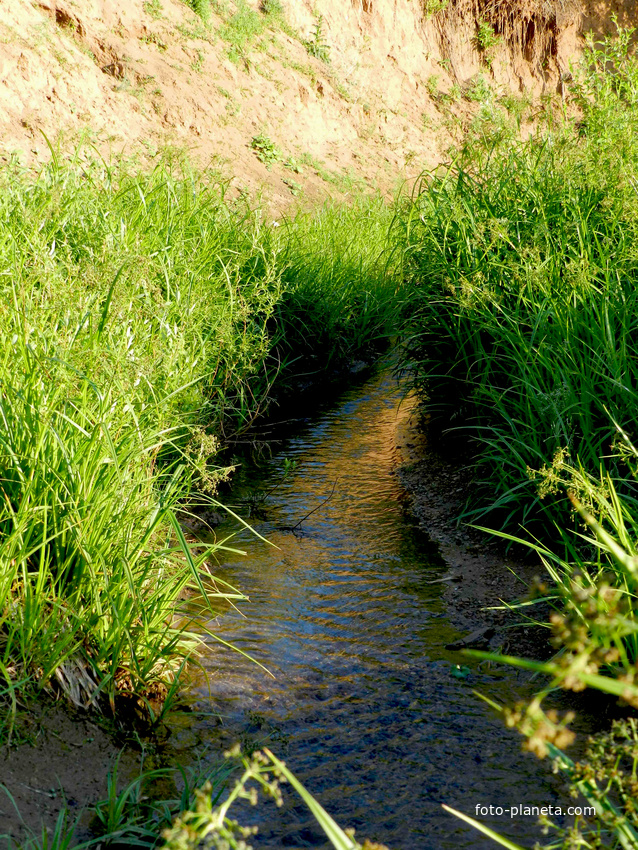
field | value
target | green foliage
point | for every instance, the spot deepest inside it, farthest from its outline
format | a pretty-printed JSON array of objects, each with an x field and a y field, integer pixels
[
  {"x": 198, "y": 64},
  {"x": 432, "y": 85},
  {"x": 197, "y": 819},
  {"x": 61, "y": 837},
  {"x": 315, "y": 45},
  {"x": 433, "y": 7},
  {"x": 592, "y": 586},
  {"x": 200, "y": 7},
  {"x": 265, "y": 149},
  {"x": 455, "y": 93},
  {"x": 523, "y": 262},
  {"x": 609, "y": 100},
  {"x": 207, "y": 823},
  {"x": 485, "y": 41},
  {"x": 606, "y": 779},
  {"x": 96, "y": 417},
  {"x": 593, "y": 592},
  {"x": 517, "y": 106},
  {"x": 527, "y": 290},
  {"x": 524, "y": 267},
  {"x": 342, "y": 284},
  {"x": 478, "y": 90},
  {"x": 143, "y": 320},
  {"x": 244, "y": 26},
  {"x": 132, "y": 815},
  {"x": 485, "y": 38},
  {"x": 154, "y": 38},
  {"x": 153, "y": 9},
  {"x": 272, "y": 7}
]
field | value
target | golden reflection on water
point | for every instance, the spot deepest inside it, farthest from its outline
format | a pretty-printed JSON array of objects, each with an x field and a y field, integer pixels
[{"x": 362, "y": 705}]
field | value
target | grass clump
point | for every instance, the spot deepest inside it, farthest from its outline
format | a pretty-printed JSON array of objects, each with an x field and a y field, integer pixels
[
  {"x": 272, "y": 7},
  {"x": 526, "y": 341},
  {"x": 478, "y": 90},
  {"x": 524, "y": 267},
  {"x": 315, "y": 45},
  {"x": 89, "y": 570},
  {"x": 485, "y": 38},
  {"x": 245, "y": 25},
  {"x": 433, "y": 7},
  {"x": 201, "y": 8},
  {"x": 153, "y": 9},
  {"x": 524, "y": 271},
  {"x": 342, "y": 286},
  {"x": 265, "y": 149},
  {"x": 198, "y": 817},
  {"x": 143, "y": 322},
  {"x": 486, "y": 41},
  {"x": 97, "y": 419}
]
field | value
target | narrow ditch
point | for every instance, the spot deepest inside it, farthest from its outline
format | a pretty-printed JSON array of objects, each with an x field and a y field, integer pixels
[{"x": 351, "y": 614}]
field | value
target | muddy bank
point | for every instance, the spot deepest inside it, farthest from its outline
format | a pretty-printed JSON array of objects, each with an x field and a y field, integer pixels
[
  {"x": 59, "y": 758},
  {"x": 481, "y": 573}
]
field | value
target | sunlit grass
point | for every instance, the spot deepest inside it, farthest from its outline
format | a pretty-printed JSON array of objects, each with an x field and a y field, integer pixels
[
  {"x": 522, "y": 339},
  {"x": 524, "y": 311},
  {"x": 144, "y": 319}
]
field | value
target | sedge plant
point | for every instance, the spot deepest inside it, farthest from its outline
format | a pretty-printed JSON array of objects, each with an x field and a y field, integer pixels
[{"x": 144, "y": 320}]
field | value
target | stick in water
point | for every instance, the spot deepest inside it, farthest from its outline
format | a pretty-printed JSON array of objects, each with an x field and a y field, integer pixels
[{"x": 303, "y": 519}]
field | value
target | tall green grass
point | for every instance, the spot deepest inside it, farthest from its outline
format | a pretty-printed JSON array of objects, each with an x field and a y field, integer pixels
[
  {"x": 524, "y": 264},
  {"x": 523, "y": 340},
  {"x": 144, "y": 319},
  {"x": 342, "y": 285}
]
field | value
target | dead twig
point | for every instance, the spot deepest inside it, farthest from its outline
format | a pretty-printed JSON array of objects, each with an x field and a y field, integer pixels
[{"x": 310, "y": 513}]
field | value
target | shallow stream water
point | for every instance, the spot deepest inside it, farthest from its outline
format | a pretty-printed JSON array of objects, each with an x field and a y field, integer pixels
[{"x": 363, "y": 705}]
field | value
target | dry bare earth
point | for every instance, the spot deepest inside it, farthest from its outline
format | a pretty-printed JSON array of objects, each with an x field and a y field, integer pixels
[{"x": 136, "y": 76}]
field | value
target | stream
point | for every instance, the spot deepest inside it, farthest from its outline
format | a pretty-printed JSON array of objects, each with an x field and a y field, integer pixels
[{"x": 363, "y": 703}]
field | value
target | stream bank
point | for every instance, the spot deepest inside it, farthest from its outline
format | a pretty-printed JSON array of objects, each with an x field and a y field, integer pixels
[
  {"x": 351, "y": 612},
  {"x": 482, "y": 575}
]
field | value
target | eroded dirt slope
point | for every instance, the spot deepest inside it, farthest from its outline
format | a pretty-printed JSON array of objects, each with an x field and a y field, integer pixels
[{"x": 349, "y": 92}]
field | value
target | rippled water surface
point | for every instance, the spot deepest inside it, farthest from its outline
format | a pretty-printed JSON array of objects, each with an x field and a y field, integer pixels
[{"x": 363, "y": 705}]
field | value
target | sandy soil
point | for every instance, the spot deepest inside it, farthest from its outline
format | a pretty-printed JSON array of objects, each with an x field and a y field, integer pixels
[{"x": 131, "y": 78}]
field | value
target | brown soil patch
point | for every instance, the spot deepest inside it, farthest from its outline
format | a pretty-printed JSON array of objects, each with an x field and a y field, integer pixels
[
  {"x": 135, "y": 77},
  {"x": 481, "y": 574},
  {"x": 62, "y": 760}
]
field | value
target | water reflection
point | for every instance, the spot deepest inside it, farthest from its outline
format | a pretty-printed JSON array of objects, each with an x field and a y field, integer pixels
[{"x": 362, "y": 705}]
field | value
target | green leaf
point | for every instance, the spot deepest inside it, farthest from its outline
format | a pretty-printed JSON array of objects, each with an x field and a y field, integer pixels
[
  {"x": 500, "y": 839},
  {"x": 337, "y": 836}
]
